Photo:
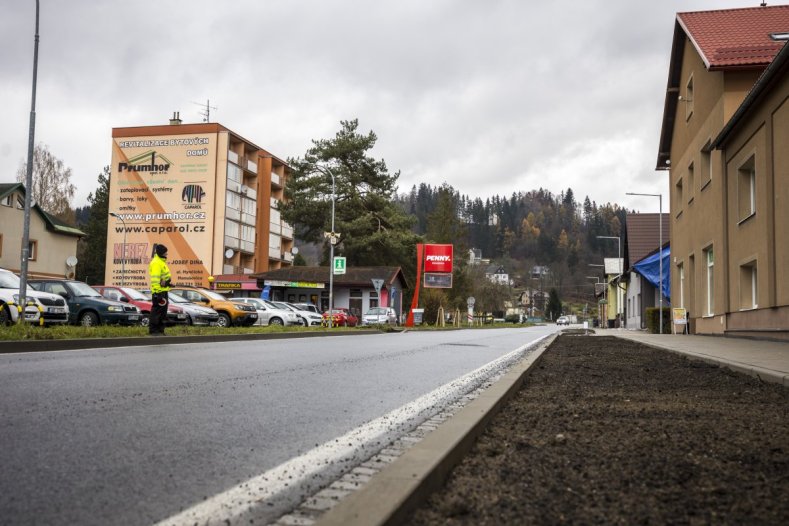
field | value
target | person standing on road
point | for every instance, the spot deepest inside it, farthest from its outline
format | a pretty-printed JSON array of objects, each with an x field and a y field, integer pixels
[{"x": 160, "y": 285}]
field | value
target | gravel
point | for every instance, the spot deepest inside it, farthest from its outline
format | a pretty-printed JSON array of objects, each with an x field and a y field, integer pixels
[{"x": 608, "y": 431}]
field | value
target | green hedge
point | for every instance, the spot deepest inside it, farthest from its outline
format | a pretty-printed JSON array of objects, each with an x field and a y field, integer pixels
[{"x": 653, "y": 320}]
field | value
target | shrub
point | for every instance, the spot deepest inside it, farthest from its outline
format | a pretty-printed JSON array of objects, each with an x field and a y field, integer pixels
[{"x": 653, "y": 320}]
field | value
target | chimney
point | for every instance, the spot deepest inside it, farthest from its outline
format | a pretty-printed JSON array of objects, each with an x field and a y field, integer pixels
[{"x": 176, "y": 118}]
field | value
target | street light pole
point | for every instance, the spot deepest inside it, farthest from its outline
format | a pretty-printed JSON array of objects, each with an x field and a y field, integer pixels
[
  {"x": 123, "y": 252},
  {"x": 28, "y": 184},
  {"x": 660, "y": 252}
]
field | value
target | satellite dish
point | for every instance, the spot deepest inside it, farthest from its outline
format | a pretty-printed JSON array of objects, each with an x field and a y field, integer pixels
[
  {"x": 294, "y": 250},
  {"x": 229, "y": 253},
  {"x": 71, "y": 261}
]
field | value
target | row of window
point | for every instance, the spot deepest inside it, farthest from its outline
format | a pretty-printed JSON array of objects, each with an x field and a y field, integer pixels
[{"x": 748, "y": 289}]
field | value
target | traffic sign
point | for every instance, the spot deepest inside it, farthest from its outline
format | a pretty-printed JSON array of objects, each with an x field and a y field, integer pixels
[
  {"x": 339, "y": 265},
  {"x": 378, "y": 283}
]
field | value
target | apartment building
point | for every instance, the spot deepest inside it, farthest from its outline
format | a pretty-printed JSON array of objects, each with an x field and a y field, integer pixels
[
  {"x": 726, "y": 198},
  {"x": 210, "y": 195}
]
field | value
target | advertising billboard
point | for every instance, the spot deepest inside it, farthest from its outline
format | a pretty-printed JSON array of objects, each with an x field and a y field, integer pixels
[
  {"x": 162, "y": 190},
  {"x": 438, "y": 258}
]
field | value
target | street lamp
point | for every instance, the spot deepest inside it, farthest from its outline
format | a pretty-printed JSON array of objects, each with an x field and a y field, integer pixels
[
  {"x": 660, "y": 250},
  {"x": 332, "y": 240},
  {"x": 28, "y": 184},
  {"x": 123, "y": 252}
]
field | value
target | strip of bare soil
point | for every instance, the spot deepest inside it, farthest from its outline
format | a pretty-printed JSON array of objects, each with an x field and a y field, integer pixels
[{"x": 607, "y": 431}]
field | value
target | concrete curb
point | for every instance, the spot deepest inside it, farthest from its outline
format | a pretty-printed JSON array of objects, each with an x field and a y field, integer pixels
[
  {"x": 20, "y": 346},
  {"x": 394, "y": 493},
  {"x": 765, "y": 375}
]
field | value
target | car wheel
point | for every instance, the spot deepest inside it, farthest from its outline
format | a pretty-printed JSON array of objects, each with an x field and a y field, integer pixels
[
  {"x": 5, "y": 315},
  {"x": 89, "y": 319},
  {"x": 275, "y": 321},
  {"x": 303, "y": 322},
  {"x": 224, "y": 320},
  {"x": 189, "y": 320},
  {"x": 145, "y": 320}
]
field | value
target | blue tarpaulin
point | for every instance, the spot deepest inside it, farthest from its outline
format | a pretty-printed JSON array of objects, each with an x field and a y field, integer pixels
[{"x": 649, "y": 267}]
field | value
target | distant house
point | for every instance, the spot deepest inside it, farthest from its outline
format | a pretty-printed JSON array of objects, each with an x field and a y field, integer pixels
[
  {"x": 497, "y": 274},
  {"x": 642, "y": 238},
  {"x": 53, "y": 243},
  {"x": 723, "y": 144},
  {"x": 475, "y": 257}
]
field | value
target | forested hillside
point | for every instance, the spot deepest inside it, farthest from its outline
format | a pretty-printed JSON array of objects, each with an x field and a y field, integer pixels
[{"x": 521, "y": 231}]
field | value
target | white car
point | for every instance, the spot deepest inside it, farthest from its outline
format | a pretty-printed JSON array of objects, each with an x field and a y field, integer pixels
[
  {"x": 288, "y": 307},
  {"x": 51, "y": 307},
  {"x": 562, "y": 320},
  {"x": 269, "y": 314},
  {"x": 310, "y": 317},
  {"x": 380, "y": 316}
]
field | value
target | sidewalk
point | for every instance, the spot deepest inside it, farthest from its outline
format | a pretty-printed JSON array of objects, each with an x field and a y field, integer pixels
[{"x": 767, "y": 360}]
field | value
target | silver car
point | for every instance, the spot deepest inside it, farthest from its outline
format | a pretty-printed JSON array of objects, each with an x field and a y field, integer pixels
[
  {"x": 198, "y": 314},
  {"x": 380, "y": 316},
  {"x": 270, "y": 314}
]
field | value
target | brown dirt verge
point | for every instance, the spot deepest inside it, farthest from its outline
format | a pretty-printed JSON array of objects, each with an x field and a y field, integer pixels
[{"x": 607, "y": 431}]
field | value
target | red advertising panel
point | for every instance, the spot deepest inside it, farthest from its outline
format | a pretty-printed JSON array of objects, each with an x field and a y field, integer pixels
[{"x": 438, "y": 258}]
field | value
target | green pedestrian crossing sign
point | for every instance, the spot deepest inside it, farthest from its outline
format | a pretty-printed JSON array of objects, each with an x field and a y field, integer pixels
[{"x": 339, "y": 265}]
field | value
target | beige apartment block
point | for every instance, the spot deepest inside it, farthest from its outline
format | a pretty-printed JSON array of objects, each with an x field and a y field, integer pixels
[
  {"x": 725, "y": 249},
  {"x": 208, "y": 194}
]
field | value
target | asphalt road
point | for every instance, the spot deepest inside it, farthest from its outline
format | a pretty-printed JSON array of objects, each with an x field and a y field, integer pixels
[{"x": 134, "y": 435}]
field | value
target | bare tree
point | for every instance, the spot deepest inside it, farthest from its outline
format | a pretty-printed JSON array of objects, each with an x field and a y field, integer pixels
[{"x": 51, "y": 185}]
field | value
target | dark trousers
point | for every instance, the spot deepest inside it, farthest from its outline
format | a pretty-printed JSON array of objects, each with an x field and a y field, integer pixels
[{"x": 158, "y": 313}]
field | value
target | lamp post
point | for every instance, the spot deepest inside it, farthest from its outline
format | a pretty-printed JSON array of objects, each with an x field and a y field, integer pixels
[
  {"x": 123, "y": 252},
  {"x": 618, "y": 268},
  {"x": 660, "y": 251},
  {"x": 332, "y": 240},
  {"x": 28, "y": 184}
]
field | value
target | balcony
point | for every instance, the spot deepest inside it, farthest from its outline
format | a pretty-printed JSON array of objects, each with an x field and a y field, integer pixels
[
  {"x": 249, "y": 192},
  {"x": 232, "y": 242},
  {"x": 248, "y": 219},
  {"x": 274, "y": 253},
  {"x": 249, "y": 270},
  {"x": 248, "y": 247},
  {"x": 232, "y": 213},
  {"x": 274, "y": 228},
  {"x": 232, "y": 156},
  {"x": 287, "y": 231},
  {"x": 275, "y": 180},
  {"x": 249, "y": 166},
  {"x": 287, "y": 256}
]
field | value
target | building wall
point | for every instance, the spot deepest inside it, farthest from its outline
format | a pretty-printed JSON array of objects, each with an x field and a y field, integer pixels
[
  {"x": 697, "y": 185},
  {"x": 52, "y": 249}
]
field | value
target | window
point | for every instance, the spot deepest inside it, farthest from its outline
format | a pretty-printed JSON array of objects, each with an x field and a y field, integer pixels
[
  {"x": 248, "y": 233},
  {"x": 8, "y": 200},
  {"x": 20, "y": 203},
  {"x": 709, "y": 281},
  {"x": 233, "y": 173},
  {"x": 706, "y": 164},
  {"x": 355, "y": 302},
  {"x": 748, "y": 286},
  {"x": 746, "y": 189},
  {"x": 678, "y": 195},
  {"x": 681, "y": 274},
  {"x": 274, "y": 241},
  {"x": 233, "y": 201},
  {"x": 691, "y": 179},
  {"x": 373, "y": 299},
  {"x": 231, "y": 229},
  {"x": 32, "y": 250},
  {"x": 688, "y": 98}
]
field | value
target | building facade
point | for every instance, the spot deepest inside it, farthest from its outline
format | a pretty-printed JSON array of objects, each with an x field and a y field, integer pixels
[
  {"x": 53, "y": 244},
  {"x": 717, "y": 57},
  {"x": 202, "y": 190}
]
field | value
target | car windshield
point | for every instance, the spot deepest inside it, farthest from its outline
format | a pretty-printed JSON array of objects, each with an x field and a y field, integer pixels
[
  {"x": 133, "y": 293},
  {"x": 175, "y": 298},
  {"x": 83, "y": 290},
  {"x": 213, "y": 295},
  {"x": 258, "y": 303},
  {"x": 9, "y": 281},
  {"x": 375, "y": 311}
]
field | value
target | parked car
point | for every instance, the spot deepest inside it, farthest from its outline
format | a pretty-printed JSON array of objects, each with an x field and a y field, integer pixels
[
  {"x": 175, "y": 315},
  {"x": 269, "y": 314},
  {"x": 231, "y": 312},
  {"x": 340, "y": 316},
  {"x": 51, "y": 307},
  {"x": 195, "y": 314},
  {"x": 380, "y": 316},
  {"x": 308, "y": 316},
  {"x": 86, "y": 306},
  {"x": 562, "y": 320}
]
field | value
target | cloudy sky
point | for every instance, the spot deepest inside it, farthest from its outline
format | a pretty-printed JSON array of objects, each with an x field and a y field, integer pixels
[{"x": 490, "y": 96}]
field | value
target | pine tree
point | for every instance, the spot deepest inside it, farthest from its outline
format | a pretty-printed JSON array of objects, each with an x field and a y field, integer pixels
[{"x": 92, "y": 250}]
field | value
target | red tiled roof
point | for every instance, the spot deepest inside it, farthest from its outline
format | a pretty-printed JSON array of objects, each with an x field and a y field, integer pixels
[{"x": 732, "y": 38}]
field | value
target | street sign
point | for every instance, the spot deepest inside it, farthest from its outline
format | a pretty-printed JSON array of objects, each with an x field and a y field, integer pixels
[
  {"x": 470, "y": 301},
  {"x": 378, "y": 283},
  {"x": 339, "y": 265},
  {"x": 334, "y": 237}
]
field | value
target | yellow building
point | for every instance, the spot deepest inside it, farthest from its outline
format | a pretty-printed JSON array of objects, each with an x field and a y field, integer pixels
[
  {"x": 728, "y": 194},
  {"x": 202, "y": 190}
]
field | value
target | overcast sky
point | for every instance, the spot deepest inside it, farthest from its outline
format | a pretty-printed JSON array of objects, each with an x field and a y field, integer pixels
[{"x": 490, "y": 96}]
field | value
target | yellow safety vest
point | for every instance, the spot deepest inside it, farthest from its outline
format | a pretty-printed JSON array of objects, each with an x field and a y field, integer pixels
[{"x": 159, "y": 273}]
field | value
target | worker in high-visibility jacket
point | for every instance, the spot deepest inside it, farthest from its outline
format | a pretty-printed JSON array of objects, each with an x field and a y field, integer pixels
[{"x": 160, "y": 285}]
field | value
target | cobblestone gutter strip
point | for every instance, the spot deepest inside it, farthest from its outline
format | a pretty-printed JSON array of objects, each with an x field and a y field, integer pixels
[{"x": 388, "y": 487}]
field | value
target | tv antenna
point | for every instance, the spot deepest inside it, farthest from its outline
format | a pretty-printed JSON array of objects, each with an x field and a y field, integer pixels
[{"x": 206, "y": 110}]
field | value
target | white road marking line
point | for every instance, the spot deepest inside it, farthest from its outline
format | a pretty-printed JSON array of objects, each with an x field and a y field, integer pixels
[{"x": 274, "y": 492}]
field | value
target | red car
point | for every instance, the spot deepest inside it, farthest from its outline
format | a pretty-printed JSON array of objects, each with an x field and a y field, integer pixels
[
  {"x": 175, "y": 315},
  {"x": 341, "y": 317}
]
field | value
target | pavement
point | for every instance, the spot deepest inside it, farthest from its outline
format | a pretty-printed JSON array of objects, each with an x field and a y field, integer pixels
[{"x": 395, "y": 492}]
